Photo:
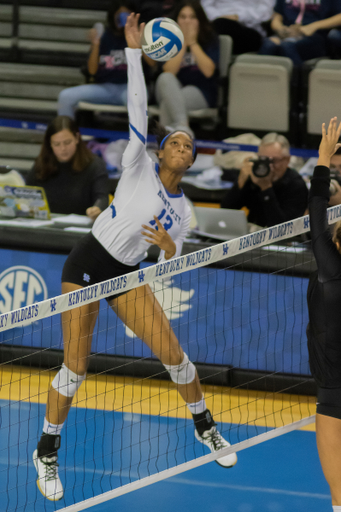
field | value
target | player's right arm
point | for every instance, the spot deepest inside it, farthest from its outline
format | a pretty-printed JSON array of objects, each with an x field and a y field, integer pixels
[
  {"x": 327, "y": 256},
  {"x": 137, "y": 94}
]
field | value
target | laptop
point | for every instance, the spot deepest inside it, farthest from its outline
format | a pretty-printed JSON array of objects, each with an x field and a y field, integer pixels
[
  {"x": 220, "y": 223},
  {"x": 23, "y": 201}
]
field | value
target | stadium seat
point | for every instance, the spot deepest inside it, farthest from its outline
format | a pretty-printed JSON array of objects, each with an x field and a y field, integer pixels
[
  {"x": 6, "y": 15},
  {"x": 30, "y": 88},
  {"x": 259, "y": 93},
  {"x": 324, "y": 87}
]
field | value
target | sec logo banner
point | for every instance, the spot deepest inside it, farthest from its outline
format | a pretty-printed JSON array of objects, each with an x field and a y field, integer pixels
[{"x": 19, "y": 287}]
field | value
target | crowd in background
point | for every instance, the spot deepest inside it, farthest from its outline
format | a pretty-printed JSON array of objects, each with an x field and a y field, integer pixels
[{"x": 298, "y": 29}]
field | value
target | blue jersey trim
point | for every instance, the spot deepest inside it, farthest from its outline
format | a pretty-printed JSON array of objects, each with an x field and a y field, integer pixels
[
  {"x": 140, "y": 136},
  {"x": 168, "y": 193}
]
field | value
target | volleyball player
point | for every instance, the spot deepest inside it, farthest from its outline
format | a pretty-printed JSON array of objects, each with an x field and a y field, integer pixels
[
  {"x": 324, "y": 329},
  {"x": 149, "y": 208}
]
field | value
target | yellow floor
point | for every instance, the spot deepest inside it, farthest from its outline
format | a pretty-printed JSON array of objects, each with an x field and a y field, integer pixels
[{"x": 156, "y": 397}]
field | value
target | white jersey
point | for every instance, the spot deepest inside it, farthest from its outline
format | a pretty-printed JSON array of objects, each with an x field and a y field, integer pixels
[{"x": 140, "y": 193}]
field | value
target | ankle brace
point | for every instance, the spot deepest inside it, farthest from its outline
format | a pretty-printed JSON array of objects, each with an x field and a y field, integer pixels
[
  {"x": 48, "y": 445},
  {"x": 203, "y": 421}
]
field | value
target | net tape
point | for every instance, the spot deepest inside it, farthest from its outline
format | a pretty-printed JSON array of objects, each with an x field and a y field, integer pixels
[{"x": 49, "y": 307}]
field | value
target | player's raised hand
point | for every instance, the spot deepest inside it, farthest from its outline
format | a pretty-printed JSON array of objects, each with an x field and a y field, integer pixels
[
  {"x": 160, "y": 237},
  {"x": 329, "y": 142},
  {"x": 133, "y": 31}
]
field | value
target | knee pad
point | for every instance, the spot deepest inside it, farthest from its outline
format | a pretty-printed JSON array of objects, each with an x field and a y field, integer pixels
[
  {"x": 67, "y": 382},
  {"x": 183, "y": 373}
]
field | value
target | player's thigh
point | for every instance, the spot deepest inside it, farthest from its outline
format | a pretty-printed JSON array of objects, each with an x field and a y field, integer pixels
[
  {"x": 78, "y": 325},
  {"x": 328, "y": 437},
  {"x": 142, "y": 313}
]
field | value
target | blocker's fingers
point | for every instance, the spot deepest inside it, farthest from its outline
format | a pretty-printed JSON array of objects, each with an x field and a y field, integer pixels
[
  {"x": 323, "y": 129},
  {"x": 338, "y": 131}
]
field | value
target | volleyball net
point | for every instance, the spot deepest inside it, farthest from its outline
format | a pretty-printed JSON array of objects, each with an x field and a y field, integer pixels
[{"x": 238, "y": 310}]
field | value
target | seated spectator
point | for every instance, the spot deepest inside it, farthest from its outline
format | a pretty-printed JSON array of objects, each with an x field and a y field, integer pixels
[
  {"x": 107, "y": 65},
  {"x": 280, "y": 196},
  {"x": 241, "y": 20},
  {"x": 334, "y": 43},
  {"x": 189, "y": 80},
  {"x": 150, "y": 9},
  {"x": 75, "y": 180},
  {"x": 301, "y": 29}
]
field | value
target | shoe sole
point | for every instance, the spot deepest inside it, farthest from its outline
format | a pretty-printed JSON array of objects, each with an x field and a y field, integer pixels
[
  {"x": 221, "y": 465},
  {"x": 37, "y": 481}
]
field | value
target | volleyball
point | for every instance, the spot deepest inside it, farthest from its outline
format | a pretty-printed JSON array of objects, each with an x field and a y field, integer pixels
[{"x": 162, "y": 39}]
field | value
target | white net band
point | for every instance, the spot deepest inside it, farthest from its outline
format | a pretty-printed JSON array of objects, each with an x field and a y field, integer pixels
[{"x": 38, "y": 311}]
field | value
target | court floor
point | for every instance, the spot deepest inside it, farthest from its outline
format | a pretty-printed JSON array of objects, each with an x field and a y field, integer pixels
[{"x": 120, "y": 432}]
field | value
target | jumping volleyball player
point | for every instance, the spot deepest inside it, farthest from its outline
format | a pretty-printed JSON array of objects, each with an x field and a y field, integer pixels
[{"x": 149, "y": 208}]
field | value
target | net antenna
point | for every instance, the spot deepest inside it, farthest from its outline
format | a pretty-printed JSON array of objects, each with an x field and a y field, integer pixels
[{"x": 244, "y": 327}]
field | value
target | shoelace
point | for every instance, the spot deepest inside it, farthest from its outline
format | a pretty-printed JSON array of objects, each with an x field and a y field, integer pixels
[
  {"x": 216, "y": 440},
  {"x": 51, "y": 469}
]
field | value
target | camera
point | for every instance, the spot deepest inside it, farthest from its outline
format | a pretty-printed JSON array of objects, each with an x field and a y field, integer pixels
[
  {"x": 334, "y": 177},
  {"x": 261, "y": 166}
]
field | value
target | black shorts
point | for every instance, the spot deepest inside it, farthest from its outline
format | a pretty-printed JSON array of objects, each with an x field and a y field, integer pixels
[
  {"x": 89, "y": 263},
  {"x": 329, "y": 402}
]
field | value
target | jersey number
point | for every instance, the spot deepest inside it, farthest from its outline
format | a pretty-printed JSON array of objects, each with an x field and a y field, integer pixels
[{"x": 167, "y": 225}]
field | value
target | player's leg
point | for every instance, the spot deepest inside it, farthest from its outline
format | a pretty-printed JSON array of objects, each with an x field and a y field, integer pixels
[
  {"x": 142, "y": 313},
  {"x": 77, "y": 326},
  {"x": 328, "y": 438}
]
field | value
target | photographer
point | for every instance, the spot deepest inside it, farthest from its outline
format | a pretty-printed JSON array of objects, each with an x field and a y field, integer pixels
[{"x": 272, "y": 192}]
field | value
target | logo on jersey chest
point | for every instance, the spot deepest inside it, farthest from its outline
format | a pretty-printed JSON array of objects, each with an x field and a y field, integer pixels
[{"x": 169, "y": 209}]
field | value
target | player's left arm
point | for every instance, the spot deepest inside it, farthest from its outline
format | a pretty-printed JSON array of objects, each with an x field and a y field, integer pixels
[{"x": 137, "y": 93}]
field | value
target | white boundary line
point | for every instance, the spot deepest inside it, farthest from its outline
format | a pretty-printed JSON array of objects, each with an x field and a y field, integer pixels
[
  {"x": 38, "y": 311},
  {"x": 186, "y": 466}
]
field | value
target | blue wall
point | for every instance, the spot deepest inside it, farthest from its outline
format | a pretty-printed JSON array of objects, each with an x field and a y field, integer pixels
[{"x": 243, "y": 319}]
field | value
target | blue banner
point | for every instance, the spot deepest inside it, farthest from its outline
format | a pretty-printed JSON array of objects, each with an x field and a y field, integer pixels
[{"x": 224, "y": 317}]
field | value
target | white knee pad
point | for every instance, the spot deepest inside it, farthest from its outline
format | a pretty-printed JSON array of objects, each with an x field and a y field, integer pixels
[
  {"x": 183, "y": 373},
  {"x": 67, "y": 382}
]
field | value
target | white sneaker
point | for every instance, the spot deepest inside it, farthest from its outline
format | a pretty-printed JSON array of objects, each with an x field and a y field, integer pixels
[
  {"x": 48, "y": 480},
  {"x": 215, "y": 441}
]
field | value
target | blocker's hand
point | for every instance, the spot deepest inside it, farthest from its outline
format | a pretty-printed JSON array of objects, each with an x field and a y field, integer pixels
[
  {"x": 133, "y": 31},
  {"x": 160, "y": 237},
  {"x": 329, "y": 142}
]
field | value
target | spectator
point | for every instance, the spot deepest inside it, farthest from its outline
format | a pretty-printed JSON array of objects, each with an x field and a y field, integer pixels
[
  {"x": 334, "y": 43},
  {"x": 241, "y": 20},
  {"x": 301, "y": 28},
  {"x": 150, "y": 9},
  {"x": 189, "y": 80},
  {"x": 107, "y": 65},
  {"x": 280, "y": 196},
  {"x": 75, "y": 180}
]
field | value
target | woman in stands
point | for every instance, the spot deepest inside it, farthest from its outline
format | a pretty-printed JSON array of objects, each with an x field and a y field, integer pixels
[
  {"x": 324, "y": 304},
  {"x": 149, "y": 209},
  {"x": 75, "y": 180},
  {"x": 107, "y": 64},
  {"x": 190, "y": 80}
]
